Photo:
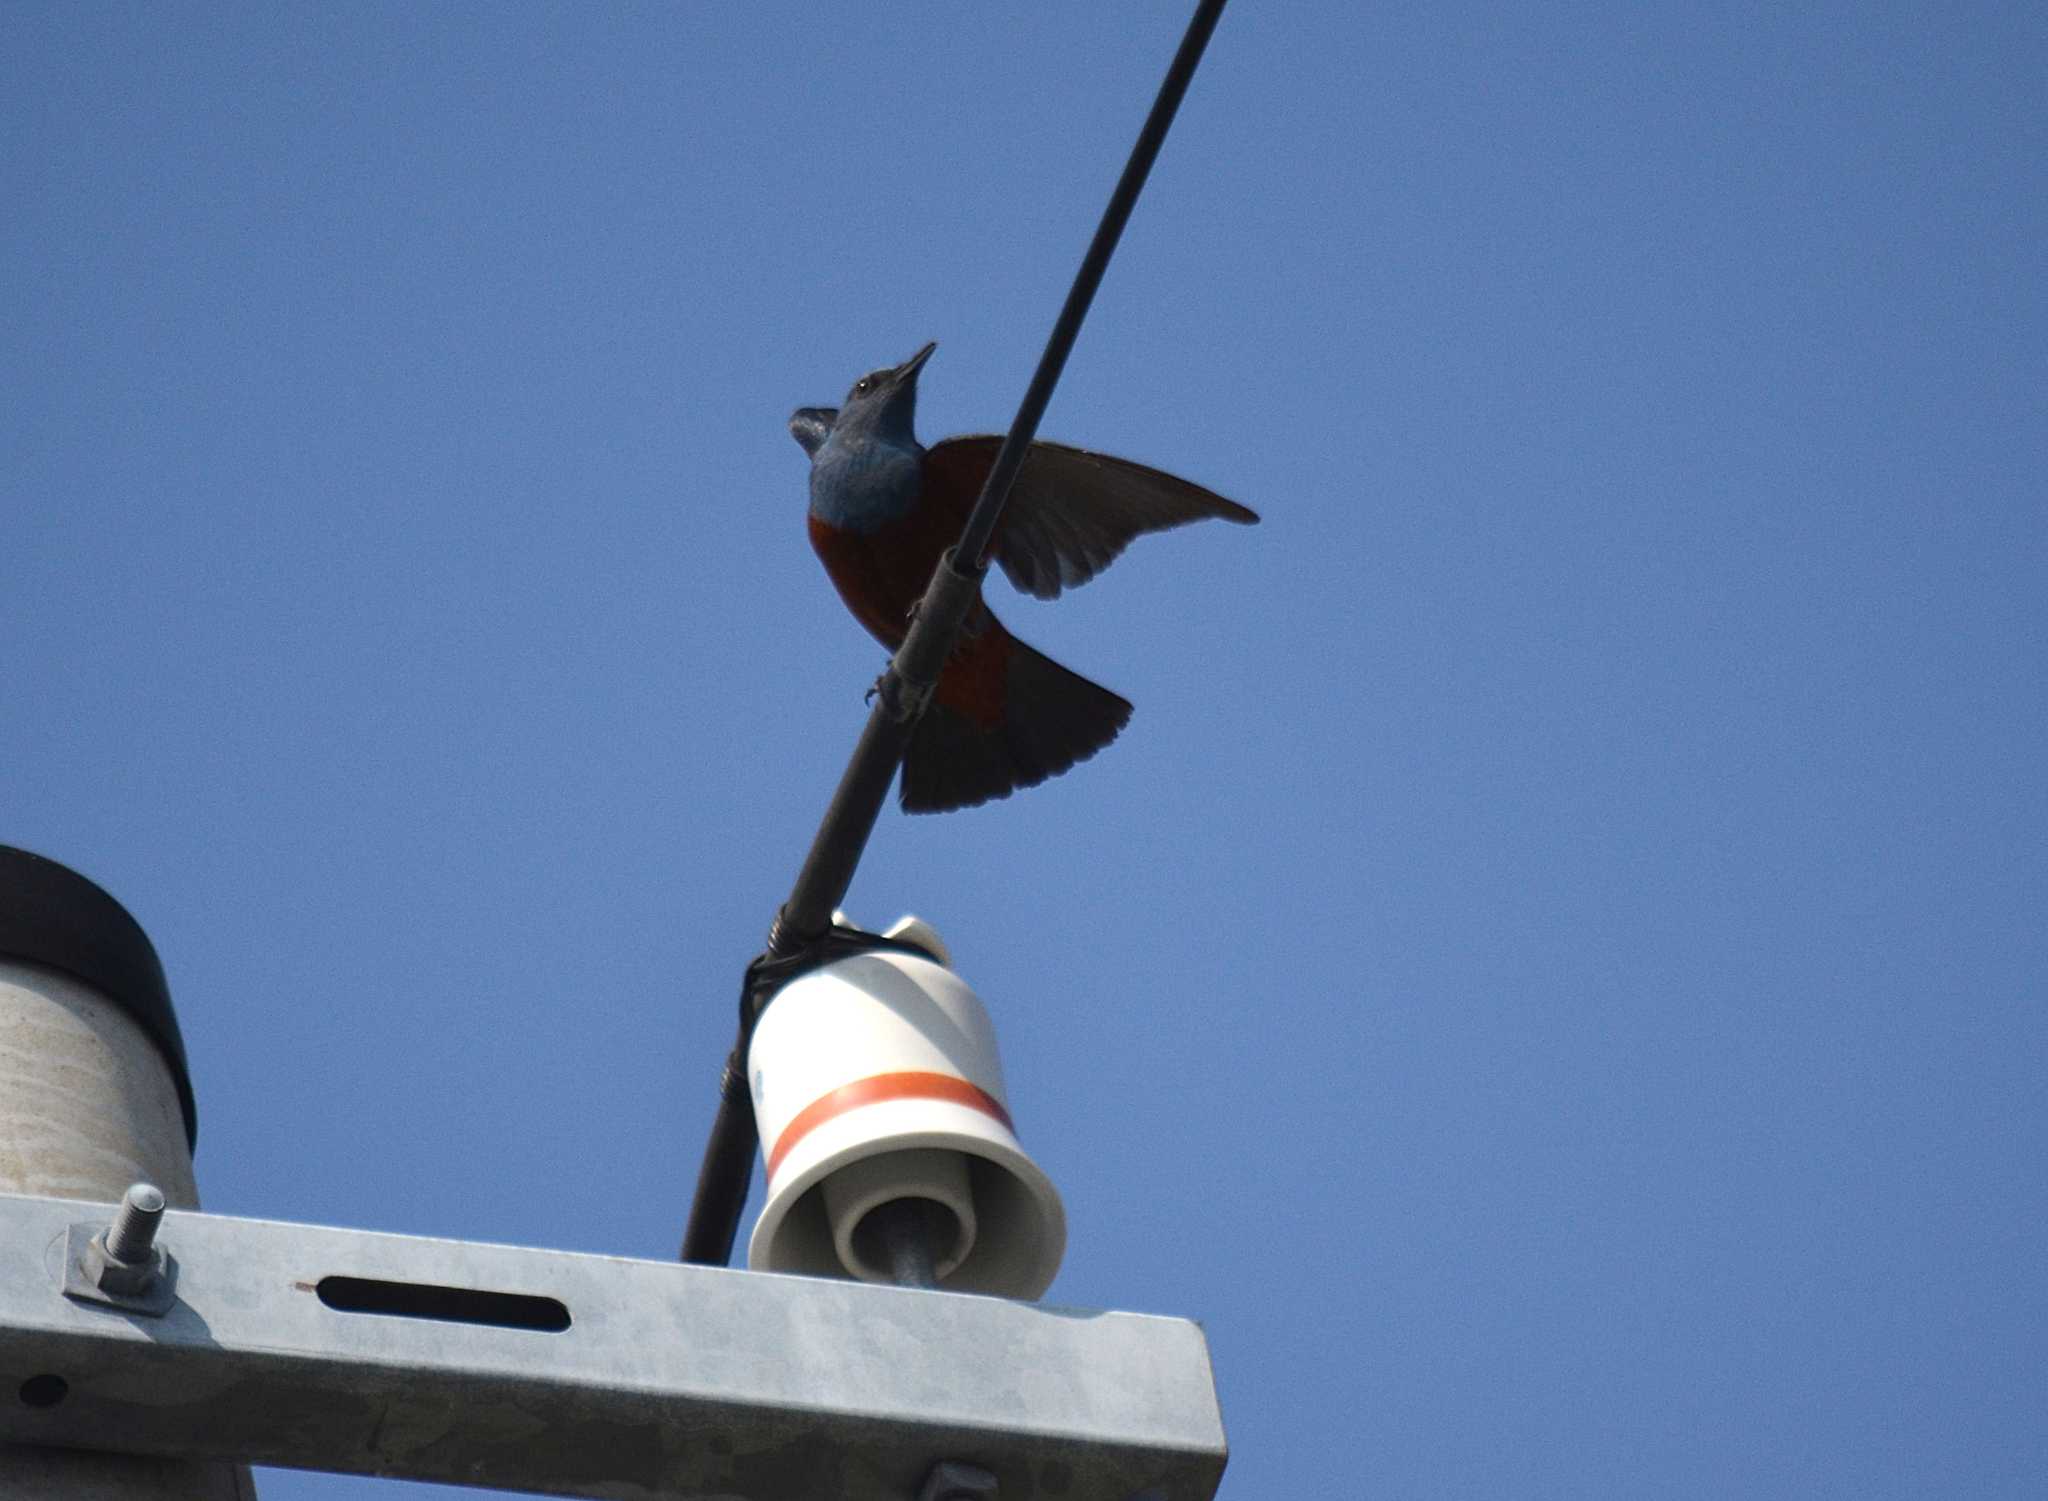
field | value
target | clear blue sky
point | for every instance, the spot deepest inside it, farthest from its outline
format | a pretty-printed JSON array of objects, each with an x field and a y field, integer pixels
[{"x": 1553, "y": 976}]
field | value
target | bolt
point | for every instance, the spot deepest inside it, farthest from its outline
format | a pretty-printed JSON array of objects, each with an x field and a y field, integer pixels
[
  {"x": 952, "y": 1480},
  {"x": 133, "y": 1234},
  {"x": 124, "y": 1259},
  {"x": 123, "y": 1263}
]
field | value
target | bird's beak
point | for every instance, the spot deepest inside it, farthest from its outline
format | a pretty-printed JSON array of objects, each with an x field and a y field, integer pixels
[{"x": 909, "y": 368}]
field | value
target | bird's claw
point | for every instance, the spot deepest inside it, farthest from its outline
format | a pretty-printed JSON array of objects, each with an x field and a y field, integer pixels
[{"x": 903, "y": 699}]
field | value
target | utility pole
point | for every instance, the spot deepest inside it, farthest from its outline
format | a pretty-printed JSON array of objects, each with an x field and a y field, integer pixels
[
  {"x": 94, "y": 1097},
  {"x": 149, "y": 1352}
]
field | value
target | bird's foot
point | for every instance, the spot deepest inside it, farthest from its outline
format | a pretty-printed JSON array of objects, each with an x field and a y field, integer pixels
[{"x": 903, "y": 699}]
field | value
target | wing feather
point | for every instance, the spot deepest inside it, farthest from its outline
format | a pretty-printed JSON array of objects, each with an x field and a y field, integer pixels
[{"x": 1072, "y": 512}]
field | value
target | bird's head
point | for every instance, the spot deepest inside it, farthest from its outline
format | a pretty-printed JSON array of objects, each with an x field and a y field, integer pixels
[{"x": 882, "y": 406}]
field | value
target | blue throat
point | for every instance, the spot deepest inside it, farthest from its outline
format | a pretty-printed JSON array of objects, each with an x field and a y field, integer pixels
[{"x": 862, "y": 481}]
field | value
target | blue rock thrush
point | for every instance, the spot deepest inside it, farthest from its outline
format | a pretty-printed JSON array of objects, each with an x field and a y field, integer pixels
[{"x": 884, "y": 508}]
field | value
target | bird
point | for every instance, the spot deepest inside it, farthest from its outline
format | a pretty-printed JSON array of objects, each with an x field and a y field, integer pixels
[{"x": 884, "y": 508}]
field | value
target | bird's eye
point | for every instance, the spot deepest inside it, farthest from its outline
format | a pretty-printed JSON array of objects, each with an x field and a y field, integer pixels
[{"x": 862, "y": 386}]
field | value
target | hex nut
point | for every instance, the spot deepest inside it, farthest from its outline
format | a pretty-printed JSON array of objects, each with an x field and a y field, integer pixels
[
  {"x": 130, "y": 1279},
  {"x": 91, "y": 1275}
]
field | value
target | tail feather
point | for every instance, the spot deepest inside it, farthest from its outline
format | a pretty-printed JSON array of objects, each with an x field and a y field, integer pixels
[{"x": 1052, "y": 718}]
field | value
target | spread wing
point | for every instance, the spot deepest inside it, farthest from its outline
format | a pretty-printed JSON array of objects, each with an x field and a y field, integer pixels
[{"x": 1072, "y": 512}]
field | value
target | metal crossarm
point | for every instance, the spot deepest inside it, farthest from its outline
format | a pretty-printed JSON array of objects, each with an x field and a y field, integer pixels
[{"x": 575, "y": 1375}]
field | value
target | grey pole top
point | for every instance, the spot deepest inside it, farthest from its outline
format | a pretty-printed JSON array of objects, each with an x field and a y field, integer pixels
[{"x": 53, "y": 916}]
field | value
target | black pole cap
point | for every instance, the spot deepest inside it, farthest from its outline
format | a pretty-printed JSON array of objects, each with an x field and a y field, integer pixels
[{"x": 51, "y": 915}]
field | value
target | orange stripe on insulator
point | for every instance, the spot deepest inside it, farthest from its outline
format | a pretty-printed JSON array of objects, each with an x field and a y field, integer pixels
[{"x": 873, "y": 1090}]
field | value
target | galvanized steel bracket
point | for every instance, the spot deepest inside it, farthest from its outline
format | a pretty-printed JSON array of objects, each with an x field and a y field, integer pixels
[{"x": 576, "y": 1375}]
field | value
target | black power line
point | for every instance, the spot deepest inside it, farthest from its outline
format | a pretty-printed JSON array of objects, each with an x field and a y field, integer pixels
[{"x": 805, "y": 920}]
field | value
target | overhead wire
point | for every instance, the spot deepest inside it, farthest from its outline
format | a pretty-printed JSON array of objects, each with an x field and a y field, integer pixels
[{"x": 804, "y": 921}]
